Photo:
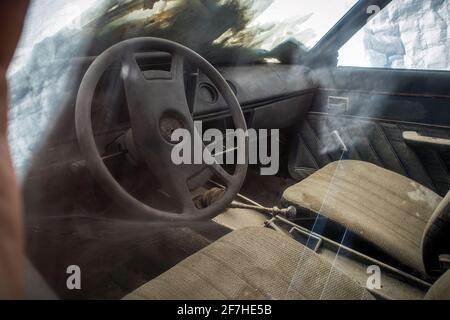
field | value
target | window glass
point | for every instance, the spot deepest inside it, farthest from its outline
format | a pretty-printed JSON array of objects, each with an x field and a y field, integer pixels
[{"x": 407, "y": 34}]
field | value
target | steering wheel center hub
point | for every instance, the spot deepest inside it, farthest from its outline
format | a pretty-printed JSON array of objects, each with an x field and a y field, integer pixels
[{"x": 167, "y": 126}]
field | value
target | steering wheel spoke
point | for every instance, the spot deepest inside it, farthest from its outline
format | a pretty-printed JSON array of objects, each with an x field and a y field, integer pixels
[{"x": 227, "y": 178}]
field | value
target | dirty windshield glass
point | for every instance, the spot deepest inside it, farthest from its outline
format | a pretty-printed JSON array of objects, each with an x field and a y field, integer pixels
[
  {"x": 249, "y": 27},
  {"x": 257, "y": 24}
]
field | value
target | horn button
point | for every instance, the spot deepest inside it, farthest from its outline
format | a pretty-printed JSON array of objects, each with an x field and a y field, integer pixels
[{"x": 167, "y": 125}]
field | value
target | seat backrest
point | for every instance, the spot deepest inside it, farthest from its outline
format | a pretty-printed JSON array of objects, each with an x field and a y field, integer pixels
[
  {"x": 436, "y": 237},
  {"x": 440, "y": 290}
]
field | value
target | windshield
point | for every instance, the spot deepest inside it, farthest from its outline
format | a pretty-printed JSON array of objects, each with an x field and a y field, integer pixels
[
  {"x": 205, "y": 25},
  {"x": 224, "y": 31}
]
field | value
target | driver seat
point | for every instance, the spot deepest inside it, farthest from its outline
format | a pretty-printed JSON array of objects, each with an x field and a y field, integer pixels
[{"x": 252, "y": 263}]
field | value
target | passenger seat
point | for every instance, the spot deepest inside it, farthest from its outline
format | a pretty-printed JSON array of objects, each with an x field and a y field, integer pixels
[{"x": 403, "y": 218}]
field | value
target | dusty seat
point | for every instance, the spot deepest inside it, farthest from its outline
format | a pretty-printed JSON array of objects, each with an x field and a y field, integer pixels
[
  {"x": 440, "y": 289},
  {"x": 252, "y": 263},
  {"x": 383, "y": 207}
]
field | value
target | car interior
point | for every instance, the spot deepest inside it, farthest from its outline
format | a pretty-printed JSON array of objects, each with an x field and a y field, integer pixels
[{"x": 363, "y": 181}]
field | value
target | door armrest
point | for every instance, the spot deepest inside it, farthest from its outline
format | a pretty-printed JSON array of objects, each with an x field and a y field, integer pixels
[{"x": 414, "y": 138}]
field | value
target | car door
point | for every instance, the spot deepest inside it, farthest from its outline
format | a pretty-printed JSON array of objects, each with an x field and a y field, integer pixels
[{"x": 387, "y": 101}]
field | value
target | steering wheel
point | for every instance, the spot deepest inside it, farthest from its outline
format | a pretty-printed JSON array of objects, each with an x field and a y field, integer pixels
[{"x": 156, "y": 104}]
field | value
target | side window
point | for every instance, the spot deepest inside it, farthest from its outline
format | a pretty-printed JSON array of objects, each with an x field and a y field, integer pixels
[{"x": 407, "y": 34}]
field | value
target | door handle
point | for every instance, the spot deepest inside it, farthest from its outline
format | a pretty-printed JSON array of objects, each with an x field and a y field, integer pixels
[
  {"x": 415, "y": 138},
  {"x": 337, "y": 104}
]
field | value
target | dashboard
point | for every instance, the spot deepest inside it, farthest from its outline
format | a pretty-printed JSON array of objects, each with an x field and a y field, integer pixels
[{"x": 271, "y": 95}]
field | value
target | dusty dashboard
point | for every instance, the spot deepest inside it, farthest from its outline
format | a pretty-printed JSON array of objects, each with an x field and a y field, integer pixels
[{"x": 271, "y": 95}]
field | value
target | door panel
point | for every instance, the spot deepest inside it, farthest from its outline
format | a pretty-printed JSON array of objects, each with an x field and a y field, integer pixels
[{"x": 377, "y": 108}]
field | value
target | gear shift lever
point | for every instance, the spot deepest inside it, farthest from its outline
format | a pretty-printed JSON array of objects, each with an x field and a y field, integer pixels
[{"x": 213, "y": 194}]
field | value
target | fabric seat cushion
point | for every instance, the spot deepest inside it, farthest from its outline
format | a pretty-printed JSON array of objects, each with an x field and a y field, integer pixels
[
  {"x": 252, "y": 263},
  {"x": 440, "y": 289},
  {"x": 383, "y": 207}
]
